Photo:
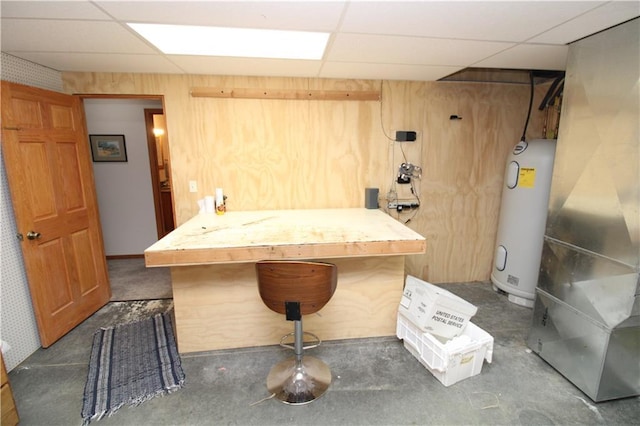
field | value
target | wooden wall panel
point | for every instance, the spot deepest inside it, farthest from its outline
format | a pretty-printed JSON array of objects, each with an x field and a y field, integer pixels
[
  {"x": 219, "y": 306},
  {"x": 463, "y": 164},
  {"x": 280, "y": 154}
]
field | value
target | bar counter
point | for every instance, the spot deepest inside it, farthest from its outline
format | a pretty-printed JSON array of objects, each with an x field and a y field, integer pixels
[{"x": 216, "y": 300}]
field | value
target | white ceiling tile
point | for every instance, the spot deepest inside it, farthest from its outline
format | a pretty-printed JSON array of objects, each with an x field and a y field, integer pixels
[
  {"x": 390, "y": 39},
  {"x": 474, "y": 20},
  {"x": 385, "y": 71},
  {"x": 529, "y": 56},
  {"x": 604, "y": 16},
  {"x": 40, "y": 35},
  {"x": 100, "y": 62},
  {"x": 410, "y": 50},
  {"x": 245, "y": 66},
  {"x": 52, "y": 10},
  {"x": 310, "y": 15}
]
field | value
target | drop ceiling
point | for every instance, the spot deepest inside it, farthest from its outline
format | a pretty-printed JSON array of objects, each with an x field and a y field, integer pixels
[{"x": 391, "y": 40}]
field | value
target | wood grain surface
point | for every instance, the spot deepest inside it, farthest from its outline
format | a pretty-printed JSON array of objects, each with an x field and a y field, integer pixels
[
  {"x": 251, "y": 236},
  {"x": 219, "y": 306},
  {"x": 287, "y": 154}
]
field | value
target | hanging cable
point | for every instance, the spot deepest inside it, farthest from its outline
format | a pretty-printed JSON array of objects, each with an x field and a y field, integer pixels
[
  {"x": 392, "y": 194},
  {"x": 526, "y": 124},
  {"x": 384, "y": 132}
]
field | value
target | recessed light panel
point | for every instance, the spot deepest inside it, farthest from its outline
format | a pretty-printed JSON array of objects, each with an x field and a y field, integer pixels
[{"x": 238, "y": 42}]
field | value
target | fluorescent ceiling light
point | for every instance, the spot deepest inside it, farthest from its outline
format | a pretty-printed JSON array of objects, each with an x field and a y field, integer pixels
[{"x": 240, "y": 42}]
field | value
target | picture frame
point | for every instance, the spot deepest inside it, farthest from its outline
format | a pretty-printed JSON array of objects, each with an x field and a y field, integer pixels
[{"x": 108, "y": 148}]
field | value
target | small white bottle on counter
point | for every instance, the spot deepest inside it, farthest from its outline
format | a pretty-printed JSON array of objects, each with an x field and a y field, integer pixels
[{"x": 220, "y": 204}]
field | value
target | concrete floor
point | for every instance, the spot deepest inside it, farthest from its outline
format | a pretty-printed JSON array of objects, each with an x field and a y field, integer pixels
[
  {"x": 375, "y": 382},
  {"x": 130, "y": 279}
]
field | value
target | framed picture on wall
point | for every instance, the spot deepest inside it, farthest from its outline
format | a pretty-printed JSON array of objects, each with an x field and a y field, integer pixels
[{"x": 108, "y": 148}]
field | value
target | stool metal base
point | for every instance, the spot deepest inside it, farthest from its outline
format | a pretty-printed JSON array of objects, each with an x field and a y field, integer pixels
[{"x": 299, "y": 382}]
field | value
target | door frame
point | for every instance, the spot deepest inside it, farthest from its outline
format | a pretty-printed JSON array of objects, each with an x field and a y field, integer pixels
[
  {"x": 155, "y": 184},
  {"x": 153, "y": 164}
]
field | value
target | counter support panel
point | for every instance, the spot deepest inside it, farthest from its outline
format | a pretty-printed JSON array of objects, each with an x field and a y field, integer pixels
[{"x": 215, "y": 292}]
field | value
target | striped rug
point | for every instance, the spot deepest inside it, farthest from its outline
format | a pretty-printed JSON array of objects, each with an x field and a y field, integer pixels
[{"x": 130, "y": 364}]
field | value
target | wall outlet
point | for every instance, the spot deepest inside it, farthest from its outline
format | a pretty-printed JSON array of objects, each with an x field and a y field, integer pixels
[{"x": 193, "y": 186}]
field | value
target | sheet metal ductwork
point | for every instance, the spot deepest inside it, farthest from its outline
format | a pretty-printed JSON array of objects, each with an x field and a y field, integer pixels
[{"x": 586, "y": 320}]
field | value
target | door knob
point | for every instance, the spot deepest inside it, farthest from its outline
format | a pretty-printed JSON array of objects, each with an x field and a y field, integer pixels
[{"x": 32, "y": 235}]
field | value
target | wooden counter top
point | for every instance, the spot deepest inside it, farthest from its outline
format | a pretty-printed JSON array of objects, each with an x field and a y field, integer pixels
[{"x": 250, "y": 236}]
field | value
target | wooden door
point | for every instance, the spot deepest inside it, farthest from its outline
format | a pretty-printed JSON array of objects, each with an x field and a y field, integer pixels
[
  {"x": 158, "y": 202},
  {"x": 46, "y": 155}
]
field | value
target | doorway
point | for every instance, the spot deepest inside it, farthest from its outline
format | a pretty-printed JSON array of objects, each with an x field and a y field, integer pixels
[
  {"x": 125, "y": 189},
  {"x": 157, "y": 141}
]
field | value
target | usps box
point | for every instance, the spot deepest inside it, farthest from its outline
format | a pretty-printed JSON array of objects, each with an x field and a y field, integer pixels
[
  {"x": 449, "y": 361},
  {"x": 434, "y": 309}
]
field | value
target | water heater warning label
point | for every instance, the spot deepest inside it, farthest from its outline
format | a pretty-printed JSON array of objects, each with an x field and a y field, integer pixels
[{"x": 527, "y": 177}]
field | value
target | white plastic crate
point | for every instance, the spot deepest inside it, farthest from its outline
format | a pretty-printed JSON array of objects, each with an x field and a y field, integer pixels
[
  {"x": 452, "y": 361},
  {"x": 434, "y": 309}
]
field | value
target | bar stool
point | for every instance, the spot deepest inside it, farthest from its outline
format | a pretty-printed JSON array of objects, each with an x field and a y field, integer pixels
[{"x": 296, "y": 288}]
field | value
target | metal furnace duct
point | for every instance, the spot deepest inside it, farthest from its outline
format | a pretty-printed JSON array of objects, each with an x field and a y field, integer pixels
[{"x": 586, "y": 320}]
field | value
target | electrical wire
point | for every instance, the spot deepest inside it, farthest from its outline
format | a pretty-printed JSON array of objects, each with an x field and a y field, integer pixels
[
  {"x": 392, "y": 194},
  {"x": 526, "y": 124},
  {"x": 415, "y": 194},
  {"x": 384, "y": 132},
  {"x": 404, "y": 156}
]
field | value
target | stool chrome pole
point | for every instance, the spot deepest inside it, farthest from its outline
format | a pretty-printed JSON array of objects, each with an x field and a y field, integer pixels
[{"x": 300, "y": 379}]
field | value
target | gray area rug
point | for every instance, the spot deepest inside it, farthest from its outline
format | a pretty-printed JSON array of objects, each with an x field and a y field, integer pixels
[{"x": 130, "y": 364}]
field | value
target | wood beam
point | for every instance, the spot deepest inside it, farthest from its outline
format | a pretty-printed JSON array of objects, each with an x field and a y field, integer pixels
[{"x": 314, "y": 95}]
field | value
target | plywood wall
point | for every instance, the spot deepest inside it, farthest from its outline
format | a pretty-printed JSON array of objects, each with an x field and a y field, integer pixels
[{"x": 284, "y": 154}]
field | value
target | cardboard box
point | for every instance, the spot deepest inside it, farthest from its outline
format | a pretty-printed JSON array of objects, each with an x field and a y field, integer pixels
[
  {"x": 435, "y": 310},
  {"x": 449, "y": 361}
]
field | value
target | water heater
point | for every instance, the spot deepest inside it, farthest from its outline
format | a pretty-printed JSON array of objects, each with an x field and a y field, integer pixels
[{"x": 523, "y": 215}]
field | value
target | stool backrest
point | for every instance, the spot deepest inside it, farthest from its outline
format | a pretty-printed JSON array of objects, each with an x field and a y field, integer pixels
[{"x": 310, "y": 283}]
